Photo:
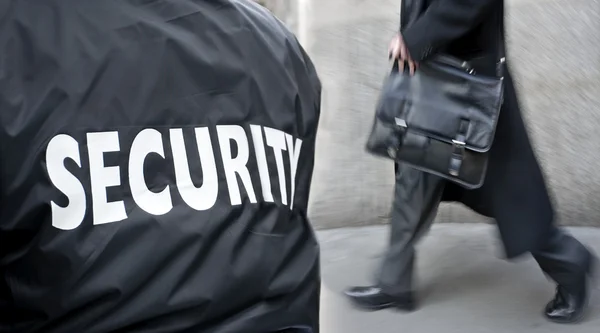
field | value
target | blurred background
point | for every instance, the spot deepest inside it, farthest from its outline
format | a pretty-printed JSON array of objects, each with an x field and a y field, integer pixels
[{"x": 554, "y": 52}]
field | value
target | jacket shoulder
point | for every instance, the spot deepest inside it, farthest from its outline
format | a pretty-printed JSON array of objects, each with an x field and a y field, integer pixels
[
  {"x": 262, "y": 21},
  {"x": 282, "y": 40}
]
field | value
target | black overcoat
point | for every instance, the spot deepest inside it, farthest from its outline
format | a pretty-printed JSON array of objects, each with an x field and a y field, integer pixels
[{"x": 515, "y": 193}]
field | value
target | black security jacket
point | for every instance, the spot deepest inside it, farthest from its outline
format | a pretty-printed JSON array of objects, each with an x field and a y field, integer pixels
[{"x": 155, "y": 162}]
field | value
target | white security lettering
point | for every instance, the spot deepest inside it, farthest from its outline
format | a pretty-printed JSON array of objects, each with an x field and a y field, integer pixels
[
  {"x": 204, "y": 197},
  {"x": 237, "y": 165},
  {"x": 261, "y": 159},
  {"x": 235, "y": 150},
  {"x": 294, "y": 153},
  {"x": 276, "y": 140},
  {"x": 59, "y": 149},
  {"x": 102, "y": 177},
  {"x": 145, "y": 143}
]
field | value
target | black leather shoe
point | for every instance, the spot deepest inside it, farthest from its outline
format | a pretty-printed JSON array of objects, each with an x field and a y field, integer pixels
[
  {"x": 373, "y": 299},
  {"x": 567, "y": 307}
]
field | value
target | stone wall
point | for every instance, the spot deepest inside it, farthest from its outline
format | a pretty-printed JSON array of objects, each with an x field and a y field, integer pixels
[{"x": 554, "y": 52}]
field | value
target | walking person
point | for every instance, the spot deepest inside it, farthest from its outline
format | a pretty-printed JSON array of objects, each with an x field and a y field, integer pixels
[{"x": 514, "y": 192}]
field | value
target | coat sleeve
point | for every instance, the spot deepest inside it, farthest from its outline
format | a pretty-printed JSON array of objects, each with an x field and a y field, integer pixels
[{"x": 443, "y": 22}]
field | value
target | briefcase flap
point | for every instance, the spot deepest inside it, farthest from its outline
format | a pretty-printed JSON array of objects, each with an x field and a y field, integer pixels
[{"x": 443, "y": 98}]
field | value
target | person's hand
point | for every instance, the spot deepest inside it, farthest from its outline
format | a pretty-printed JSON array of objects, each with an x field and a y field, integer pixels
[{"x": 398, "y": 51}]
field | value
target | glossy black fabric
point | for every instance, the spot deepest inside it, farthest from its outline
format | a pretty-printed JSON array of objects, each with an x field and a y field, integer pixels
[
  {"x": 160, "y": 79},
  {"x": 514, "y": 190}
]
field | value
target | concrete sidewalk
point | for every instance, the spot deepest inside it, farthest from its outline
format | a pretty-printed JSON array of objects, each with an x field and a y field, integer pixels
[{"x": 464, "y": 284}]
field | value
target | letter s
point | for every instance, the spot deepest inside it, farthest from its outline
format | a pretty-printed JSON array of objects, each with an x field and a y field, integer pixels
[{"x": 60, "y": 148}]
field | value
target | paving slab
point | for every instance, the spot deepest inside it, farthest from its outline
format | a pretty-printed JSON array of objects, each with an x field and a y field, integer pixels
[{"x": 464, "y": 284}]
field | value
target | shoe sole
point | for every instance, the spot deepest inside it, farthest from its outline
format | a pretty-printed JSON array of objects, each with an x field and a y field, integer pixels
[
  {"x": 396, "y": 306},
  {"x": 575, "y": 320}
]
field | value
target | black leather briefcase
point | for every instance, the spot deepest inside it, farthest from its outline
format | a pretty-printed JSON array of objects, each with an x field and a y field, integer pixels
[{"x": 442, "y": 120}]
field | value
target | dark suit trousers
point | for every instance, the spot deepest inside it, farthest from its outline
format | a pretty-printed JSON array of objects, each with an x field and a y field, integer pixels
[{"x": 416, "y": 199}]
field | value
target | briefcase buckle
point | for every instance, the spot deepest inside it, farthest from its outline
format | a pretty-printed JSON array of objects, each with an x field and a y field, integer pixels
[
  {"x": 458, "y": 144},
  {"x": 458, "y": 149}
]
